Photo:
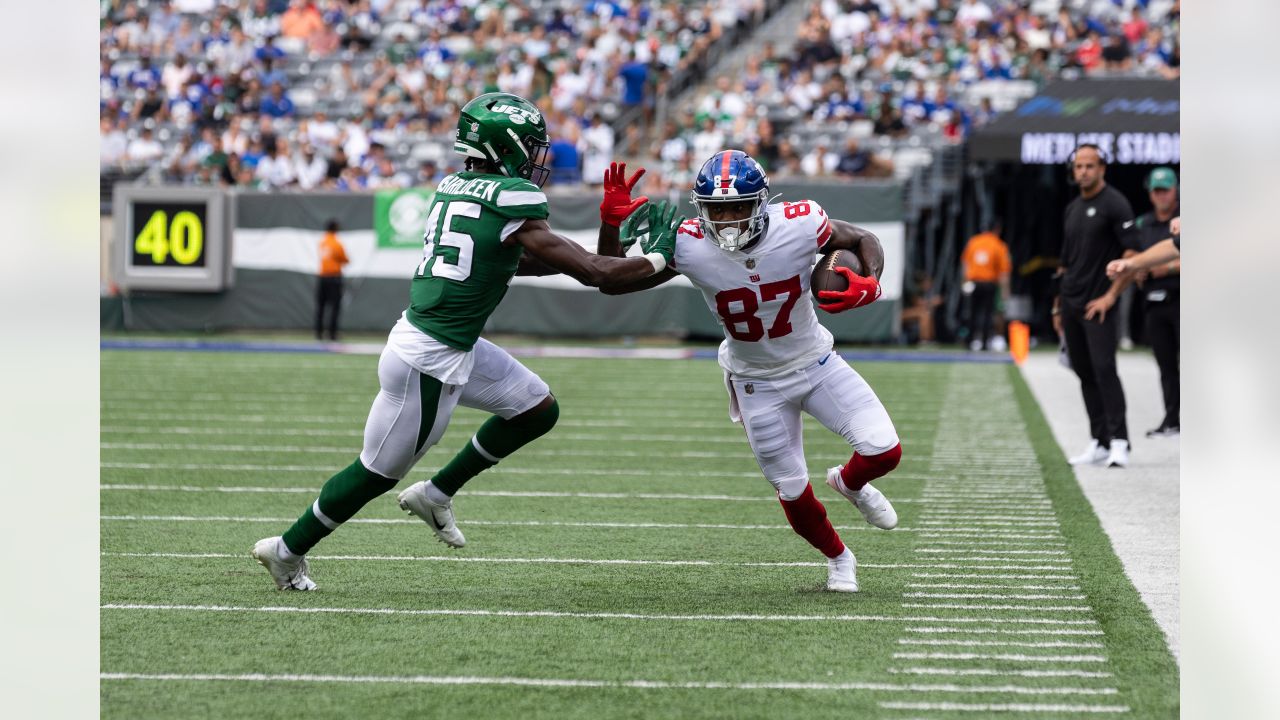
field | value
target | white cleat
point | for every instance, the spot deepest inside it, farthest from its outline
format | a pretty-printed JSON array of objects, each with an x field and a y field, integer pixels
[
  {"x": 1095, "y": 454},
  {"x": 288, "y": 574},
  {"x": 872, "y": 503},
  {"x": 842, "y": 572},
  {"x": 1119, "y": 455},
  {"x": 414, "y": 500}
]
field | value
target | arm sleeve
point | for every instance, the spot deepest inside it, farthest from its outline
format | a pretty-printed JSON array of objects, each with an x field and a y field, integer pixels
[
  {"x": 821, "y": 224},
  {"x": 1124, "y": 223},
  {"x": 524, "y": 200}
]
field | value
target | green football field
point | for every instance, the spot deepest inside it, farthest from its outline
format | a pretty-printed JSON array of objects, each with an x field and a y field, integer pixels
[{"x": 631, "y": 564}]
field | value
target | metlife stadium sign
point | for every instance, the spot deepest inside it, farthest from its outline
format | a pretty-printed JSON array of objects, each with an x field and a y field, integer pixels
[
  {"x": 1124, "y": 149},
  {"x": 1135, "y": 121}
]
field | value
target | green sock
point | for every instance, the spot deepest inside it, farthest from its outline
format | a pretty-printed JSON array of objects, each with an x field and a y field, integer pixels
[
  {"x": 496, "y": 439},
  {"x": 340, "y": 498}
]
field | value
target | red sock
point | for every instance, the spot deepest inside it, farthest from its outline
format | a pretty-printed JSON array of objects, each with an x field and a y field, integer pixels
[
  {"x": 809, "y": 519},
  {"x": 862, "y": 469}
]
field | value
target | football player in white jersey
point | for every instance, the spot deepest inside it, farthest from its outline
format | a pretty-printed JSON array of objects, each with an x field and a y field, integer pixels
[{"x": 752, "y": 261}]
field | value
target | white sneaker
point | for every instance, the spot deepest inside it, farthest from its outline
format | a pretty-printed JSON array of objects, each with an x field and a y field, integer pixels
[
  {"x": 975, "y": 345},
  {"x": 440, "y": 517},
  {"x": 1119, "y": 455},
  {"x": 872, "y": 503},
  {"x": 842, "y": 572},
  {"x": 288, "y": 574},
  {"x": 1095, "y": 454}
]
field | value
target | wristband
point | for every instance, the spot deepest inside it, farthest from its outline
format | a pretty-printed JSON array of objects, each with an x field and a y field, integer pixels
[{"x": 659, "y": 262}]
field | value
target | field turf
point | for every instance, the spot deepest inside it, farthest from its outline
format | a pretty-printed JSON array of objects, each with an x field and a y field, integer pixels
[{"x": 631, "y": 564}]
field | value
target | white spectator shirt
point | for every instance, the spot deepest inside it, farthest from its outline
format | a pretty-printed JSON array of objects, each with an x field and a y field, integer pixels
[
  {"x": 142, "y": 150},
  {"x": 847, "y": 26},
  {"x": 310, "y": 174},
  {"x": 707, "y": 143},
  {"x": 356, "y": 146},
  {"x": 322, "y": 133},
  {"x": 275, "y": 172},
  {"x": 761, "y": 297},
  {"x": 174, "y": 78},
  {"x": 113, "y": 147},
  {"x": 597, "y": 151},
  {"x": 973, "y": 12},
  {"x": 809, "y": 164}
]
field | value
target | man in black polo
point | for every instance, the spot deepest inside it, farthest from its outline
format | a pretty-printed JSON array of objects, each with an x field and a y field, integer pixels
[
  {"x": 1095, "y": 227},
  {"x": 1160, "y": 288}
]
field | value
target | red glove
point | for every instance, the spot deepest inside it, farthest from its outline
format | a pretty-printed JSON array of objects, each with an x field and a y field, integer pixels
[
  {"x": 617, "y": 203},
  {"x": 861, "y": 291}
]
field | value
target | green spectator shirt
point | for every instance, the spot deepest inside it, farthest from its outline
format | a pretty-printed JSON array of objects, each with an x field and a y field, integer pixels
[{"x": 465, "y": 267}]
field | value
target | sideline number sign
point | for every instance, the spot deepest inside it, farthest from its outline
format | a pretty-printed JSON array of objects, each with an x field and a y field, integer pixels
[{"x": 172, "y": 238}]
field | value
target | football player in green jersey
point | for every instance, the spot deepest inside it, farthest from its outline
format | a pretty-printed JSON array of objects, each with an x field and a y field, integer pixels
[{"x": 485, "y": 225}]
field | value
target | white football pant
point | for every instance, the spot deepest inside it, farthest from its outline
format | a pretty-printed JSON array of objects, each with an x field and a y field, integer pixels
[
  {"x": 409, "y": 415},
  {"x": 829, "y": 390}
]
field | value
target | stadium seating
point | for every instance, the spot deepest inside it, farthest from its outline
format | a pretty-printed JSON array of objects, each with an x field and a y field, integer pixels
[{"x": 393, "y": 72}]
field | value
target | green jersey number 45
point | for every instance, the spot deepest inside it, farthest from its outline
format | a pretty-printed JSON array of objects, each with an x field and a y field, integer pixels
[{"x": 450, "y": 256}]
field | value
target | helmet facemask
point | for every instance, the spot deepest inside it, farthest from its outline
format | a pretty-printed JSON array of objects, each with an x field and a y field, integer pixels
[
  {"x": 534, "y": 168},
  {"x": 727, "y": 233}
]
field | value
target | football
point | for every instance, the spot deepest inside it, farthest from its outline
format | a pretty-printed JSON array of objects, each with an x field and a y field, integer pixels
[{"x": 825, "y": 277}]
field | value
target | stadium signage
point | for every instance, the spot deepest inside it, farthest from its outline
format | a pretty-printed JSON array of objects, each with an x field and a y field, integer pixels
[
  {"x": 400, "y": 217},
  {"x": 1132, "y": 148},
  {"x": 1135, "y": 120},
  {"x": 173, "y": 239}
]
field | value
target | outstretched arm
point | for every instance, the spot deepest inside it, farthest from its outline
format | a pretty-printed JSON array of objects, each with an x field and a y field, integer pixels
[
  {"x": 564, "y": 255},
  {"x": 530, "y": 265},
  {"x": 1162, "y": 252},
  {"x": 652, "y": 281}
]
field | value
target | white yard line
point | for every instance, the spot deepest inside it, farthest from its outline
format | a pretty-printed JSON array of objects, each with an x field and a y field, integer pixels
[
  {"x": 534, "y": 561},
  {"x": 503, "y": 470},
  {"x": 1005, "y": 707},
  {"x": 468, "y": 521},
  {"x": 996, "y": 543},
  {"x": 1004, "y": 657},
  {"x": 735, "y": 617},
  {"x": 1000, "y": 672},
  {"x": 908, "y": 688},
  {"x": 994, "y": 596},
  {"x": 991, "y": 586},
  {"x": 1003, "y": 643},
  {"x": 951, "y": 551},
  {"x": 982, "y": 606},
  {"x": 998, "y": 576},
  {"x": 1003, "y": 631}
]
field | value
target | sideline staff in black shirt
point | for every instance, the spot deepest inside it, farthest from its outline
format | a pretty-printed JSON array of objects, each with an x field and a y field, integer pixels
[{"x": 1096, "y": 226}]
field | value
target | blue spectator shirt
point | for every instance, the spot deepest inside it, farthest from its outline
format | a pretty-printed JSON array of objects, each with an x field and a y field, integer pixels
[
  {"x": 634, "y": 75},
  {"x": 277, "y": 108},
  {"x": 147, "y": 79},
  {"x": 268, "y": 51}
]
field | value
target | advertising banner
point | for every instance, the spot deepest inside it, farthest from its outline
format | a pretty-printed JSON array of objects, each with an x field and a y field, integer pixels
[{"x": 400, "y": 217}]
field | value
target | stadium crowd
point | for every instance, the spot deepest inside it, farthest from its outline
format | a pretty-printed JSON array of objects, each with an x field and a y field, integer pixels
[{"x": 362, "y": 94}]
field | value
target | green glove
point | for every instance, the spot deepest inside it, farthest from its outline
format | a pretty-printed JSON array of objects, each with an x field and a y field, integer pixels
[
  {"x": 629, "y": 231},
  {"x": 664, "y": 221}
]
